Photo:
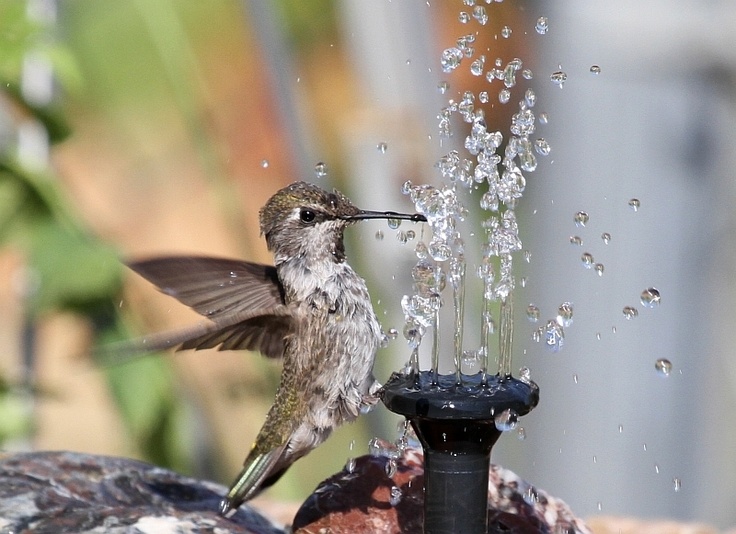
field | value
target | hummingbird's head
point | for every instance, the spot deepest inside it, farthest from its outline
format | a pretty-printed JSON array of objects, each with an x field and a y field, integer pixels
[{"x": 305, "y": 220}]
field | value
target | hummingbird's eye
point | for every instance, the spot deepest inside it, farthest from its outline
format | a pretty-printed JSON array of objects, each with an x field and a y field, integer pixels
[{"x": 307, "y": 216}]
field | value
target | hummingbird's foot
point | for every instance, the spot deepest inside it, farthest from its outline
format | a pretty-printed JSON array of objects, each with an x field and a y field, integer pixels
[{"x": 226, "y": 509}]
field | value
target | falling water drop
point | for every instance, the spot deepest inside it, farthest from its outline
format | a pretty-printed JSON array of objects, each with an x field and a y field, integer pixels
[
  {"x": 443, "y": 87},
  {"x": 521, "y": 433},
  {"x": 379, "y": 235},
  {"x": 663, "y": 366},
  {"x": 599, "y": 268},
  {"x": 451, "y": 58},
  {"x": 541, "y": 147},
  {"x": 476, "y": 67},
  {"x": 532, "y": 313},
  {"x": 527, "y": 74},
  {"x": 564, "y": 314},
  {"x": 595, "y": 69},
  {"x": 634, "y": 204},
  {"x": 587, "y": 260},
  {"x": 543, "y": 118},
  {"x": 576, "y": 240},
  {"x": 630, "y": 313},
  {"x": 554, "y": 336},
  {"x": 479, "y": 14},
  {"x": 506, "y": 420},
  {"x": 606, "y": 237},
  {"x": 542, "y": 26},
  {"x": 677, "y": 484},
  {"x": 396, "y": 495},
  {"x": 382, "y": 147},
  {"x": 581, "y": 219},
  {"x": 504, "y": 95},
  {"x": 464, "y": 18},
  {"x": 506, "y": 32},
  {"x": 264, "y": 163},
  {"x": 650, "y": 297},
  {"x": 320, "y": 169},
  {"x": 558, "y": 78}
]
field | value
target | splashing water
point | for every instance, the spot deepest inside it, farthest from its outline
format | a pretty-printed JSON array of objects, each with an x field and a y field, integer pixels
[{"x": 491, "y": 160}]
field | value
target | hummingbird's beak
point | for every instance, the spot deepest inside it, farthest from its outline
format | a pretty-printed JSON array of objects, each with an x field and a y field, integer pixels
[{"x": 366, "y": 214}]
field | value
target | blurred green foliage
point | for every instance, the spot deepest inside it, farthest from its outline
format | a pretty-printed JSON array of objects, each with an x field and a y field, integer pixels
[{"x": 68, "y": 268}]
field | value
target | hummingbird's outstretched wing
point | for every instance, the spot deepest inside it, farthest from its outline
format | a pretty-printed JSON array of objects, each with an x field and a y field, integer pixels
[{"x": 244, "y": 301}]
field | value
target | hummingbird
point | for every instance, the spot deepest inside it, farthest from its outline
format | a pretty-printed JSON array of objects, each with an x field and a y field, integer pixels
[{"x": 311, "y": 309}]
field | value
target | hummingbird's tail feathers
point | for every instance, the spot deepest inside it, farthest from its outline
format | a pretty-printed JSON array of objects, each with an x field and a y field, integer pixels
[
  {"x": 262, "y": 333},
  {"x": 214, "y": 287},
  {"x": 257, "y": 469}
]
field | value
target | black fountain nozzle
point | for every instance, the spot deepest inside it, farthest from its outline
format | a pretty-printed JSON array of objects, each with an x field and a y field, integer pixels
[{"x": 456, "y": 425}]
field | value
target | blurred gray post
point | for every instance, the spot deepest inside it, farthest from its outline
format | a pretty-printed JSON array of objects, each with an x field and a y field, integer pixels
[{"x": 611, "y": 435}]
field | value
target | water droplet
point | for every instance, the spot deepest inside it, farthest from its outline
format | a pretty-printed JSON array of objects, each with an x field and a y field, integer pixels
[
  {"x": 401, "y": 237},
  {"x": 320, "y": 169},
  {"x": 504, "y": 95},
  {"x": 554, "y": 336},
  {"x": 606, "y": 237},
  {"x": 393, "y": 223},
  {"x": 476, "y": 67},
  {"x": 421, "y": 250},
  {"x": 382, "y": 147},
  {"x": 527, "y": 74},
  {"x": 532, "y": 313},
  {"x": 506, "y": 420},
  {"x": 483, "y": 97},
  {"x": 543, "y": 118},
  {"x": 542, "y": 26},
  {"x": 595, "y": 69},
  {"x": 525, "y": 375},
  {"x": 396, "y": 495},
  {"x": 564, "y": 314},
  {"x": 581, "y": 219},
  {"x": 391, "y": 467},
  {"x": 576, "y": 240},
  {"x": 379, "y": 235},
  {"x": 443, "y": 87},
  {"x": 439, "y": 251},
  {"x": 634, "y": 204},
  {"x": 587, "y": 259},
  {"x": 505, "y": 32},
  {"x": 558, "y": 78},
  {"x": 650, "y": 297},
  {"x": 410, "y": 234},
  {"x": 350, "y": 465},
  {"x": 521, "y": 433},
  {"x": 541, "y": 147},
  {"x": 451, "y": 58},
  {"x": 464, "y": 18},
  {"x": 575, "y": 378},
  {"x": 663, "y": 366},
  {"x": 656, "y": 468},
  {"x": 620, "y": 429},
  {"x": 264, "y": 163},
  {"x": 630, "y": 313},
  {"x": 530, "y": 496},
  {"x": 677, "y": 484},
  {"x": 392, "y": 333},
  {"x": 479, "y": 14},
  {"x": 527, "y": 256},
  {"x": 599, "y": 268}
]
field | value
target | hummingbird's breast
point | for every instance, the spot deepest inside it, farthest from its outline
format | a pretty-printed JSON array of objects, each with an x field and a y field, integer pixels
[{"x": 332, "y": 351}]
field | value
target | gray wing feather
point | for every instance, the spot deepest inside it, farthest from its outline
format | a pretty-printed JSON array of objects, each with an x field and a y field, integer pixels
[{"x": 243, "y": 300}]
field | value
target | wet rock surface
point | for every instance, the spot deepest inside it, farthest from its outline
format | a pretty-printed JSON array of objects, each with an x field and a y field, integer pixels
[
  {"x": 65, "y": 492},
  {"x": 366, "y": 500}
]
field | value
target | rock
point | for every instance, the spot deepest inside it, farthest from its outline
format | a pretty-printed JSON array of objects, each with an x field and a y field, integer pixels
[
  {"x": 65, "y": 492},
  {"x": 366, "y": 500}
]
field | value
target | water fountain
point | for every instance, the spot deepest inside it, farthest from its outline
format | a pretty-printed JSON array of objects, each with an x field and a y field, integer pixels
[{"x": 458, "y": 417}]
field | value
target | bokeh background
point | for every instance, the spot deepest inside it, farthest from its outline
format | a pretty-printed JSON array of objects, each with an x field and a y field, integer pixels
[{"x": 131, "y": 129}]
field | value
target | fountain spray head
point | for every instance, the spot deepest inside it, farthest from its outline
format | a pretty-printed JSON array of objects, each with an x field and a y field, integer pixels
[{"x": 456, "y": 425}]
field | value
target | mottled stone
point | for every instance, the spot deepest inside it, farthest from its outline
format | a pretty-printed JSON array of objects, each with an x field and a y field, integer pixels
[
  {"x": 361, "y": 502},
  {"x": 65, "y": 492}
]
